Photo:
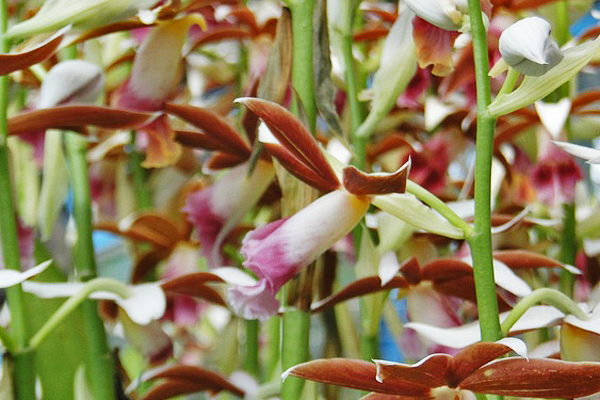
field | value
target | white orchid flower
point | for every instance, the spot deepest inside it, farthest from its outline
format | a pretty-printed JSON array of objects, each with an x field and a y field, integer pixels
[{"x": 451, "y": 15}]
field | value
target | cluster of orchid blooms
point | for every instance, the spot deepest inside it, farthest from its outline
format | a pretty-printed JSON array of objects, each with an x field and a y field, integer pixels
[{"x": 234, "y": 208}]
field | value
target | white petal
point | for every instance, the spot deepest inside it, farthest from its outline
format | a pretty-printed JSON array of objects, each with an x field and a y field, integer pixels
[
  {"x": 506, "y": 278},
  {"x": 234, "y": 276},
  {"x": 433, "y": 12},
  {"x": 517, "y": 345},
  {"x": 455, "y": 338},
  {"x": 554, "y": 115},
  {"x": 589, "y": 154},
  {"x": 71, "y": 81},
  {"x": 146, "y": 304},
  {"x": 536, "y": 317},
  {"x": 435, "y": 111},
  {"x": 388, "y": 267},
  {"x": 9, "y": 277}
]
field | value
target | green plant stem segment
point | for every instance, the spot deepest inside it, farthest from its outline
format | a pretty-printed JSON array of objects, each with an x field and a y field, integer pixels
[
  {"x": 480, "y": 241},
  {"x": 24, "y": 366},
  {"x": 99, "y": 366},
  {"x": 302, "y": 72},
  {"x": 252, "y": 348},
  {"x": 296, "y": 322},
  {"x": 138, "y": 173},
  {"x": 546, "y": 295},
  {"x": 295, "y": 349}
]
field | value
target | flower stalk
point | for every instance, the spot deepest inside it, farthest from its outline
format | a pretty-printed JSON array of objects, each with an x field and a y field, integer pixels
[
  {"x": 24, "y": 369},
  {"x": 100, "y": 366},
  {"x": 480, "y": 241}
]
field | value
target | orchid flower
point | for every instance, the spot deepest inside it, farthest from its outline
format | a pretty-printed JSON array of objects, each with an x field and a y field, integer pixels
[
  {"x": 277, "y": 251},
  {"x": 154, "y": 77},
  {"x": 451, "y": 15},
  {"x": 589, "y": 154},
  {"x": 527, "y": 47},
  {"x": 473, "y": 370}
]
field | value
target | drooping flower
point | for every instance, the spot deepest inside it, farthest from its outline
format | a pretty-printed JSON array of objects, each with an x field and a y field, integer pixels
[{"x": 527, "y": 46}]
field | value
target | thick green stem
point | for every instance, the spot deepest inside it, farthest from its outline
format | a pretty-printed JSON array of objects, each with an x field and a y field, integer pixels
[
  {"x": 252, "y": 348},
  {"x": 296, "y": 322},
  {"x": 24, "y": 372},
  {"x": 480, "y": 241},
  {"x": 272, "y": 360},
  {"x": 99, "y": 367},
  {"x": 568, "y": 249},
  {"x": 546, "y": 295},
  {"x": 302, "y": 71},
  {"x": 295, "y": 349}
]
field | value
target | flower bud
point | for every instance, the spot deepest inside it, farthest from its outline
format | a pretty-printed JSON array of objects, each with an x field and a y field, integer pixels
[{"x": 527, "y": 46}]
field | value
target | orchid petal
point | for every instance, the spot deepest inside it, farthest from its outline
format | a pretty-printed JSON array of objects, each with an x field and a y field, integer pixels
[
  {"x": 589, "y": 154},
  {"x": 554, "y": 115},
  {"x": 69, "y": 82},
  {"x": 388, "y": 267},
  {"x": 10, "y": 277}
]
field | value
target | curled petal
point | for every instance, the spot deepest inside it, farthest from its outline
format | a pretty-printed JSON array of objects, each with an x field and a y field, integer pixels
[
  {"x": 527, "y": 47},
  {"x": 69, "y": 82},
  {"x": 434, "y": 46},
  {"x": 253, "y": 302}
]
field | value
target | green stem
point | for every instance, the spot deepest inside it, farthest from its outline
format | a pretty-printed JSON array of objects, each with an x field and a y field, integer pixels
[
  {"x": 547, "y": 295},
  {"x": 139, "y": 174},
  {"x": 510, "y": 81},
  {"x": 7, "y": 341},
  {"x": 99, "y": 366},
  {"x": 434, "y": 202},
  {"x": 480, "y": 241},
  {"x": 568, "y": 249},
  {"x": 302, "y": 58},
  {"x": 272, "y": 361},
  {"x": 295, "y": 349},
  {"x": 296, "y": 322},
  {"x": 252, "y": 348},
  {"x": 24, "y": 372},
  {"x": 95, "y": 285}
]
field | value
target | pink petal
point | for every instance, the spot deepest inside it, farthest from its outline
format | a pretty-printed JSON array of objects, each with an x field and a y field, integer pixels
[{"x": 253, "y": 302}]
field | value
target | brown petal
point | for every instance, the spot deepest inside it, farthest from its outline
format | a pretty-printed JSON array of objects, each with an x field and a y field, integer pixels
[
  {"x": 472, "y": 358},
  {"x": 219, "y": 33},
  {"x": 361, "y": 287},
  {"x": 382, "y": 396},
  {"x": 585, "y": 99},
  {"x": 215, "y": 126},
  {"x": 148, "y": 262},
  {"x": 224, "y": 160},
  {"x": 354, "y": 374},
  {"x": 298, "y": 169},
  {"x": 430, "y": 372},
  {"x": 172, "y": 388},
  {"x": 151, "y": 227},
  {"x": 521, "y": 259},
  {"x": 74, "y": 118},
  {"x": 162, "y": 149},
  {"x": 195, "y": 285},
  {"x": 203, "y": 378},
  {"x": 360, "y": 183},
  {"x": 541, "y": 378},
  {"x": 198, "y": 140},
  {"x": 17, "y": 61},
  {"x": 293, "y": 136}
]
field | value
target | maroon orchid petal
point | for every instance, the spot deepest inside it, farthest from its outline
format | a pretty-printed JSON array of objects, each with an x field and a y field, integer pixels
[
  {"x": 298, "y": 169},
  {"x": 443, "y": 269},
  {"x": 383, "y": 396},
  {"x": 293, "y": 136},
  {"x": 411, "y": 271},
  {"x": 214, "y": 126},
  {"x": 202, "y": 378},
  {"x": 150, "y": 227},
  {"x": 224, "y": 160},
  {"x": 472, "y": 358},
  {"x": 195, "y": 285},
  {"x": 220, "y": 33},
  {"x": 522, "y": 259},
  {"x": 354, "y": 374},
  {"x": 158, "y": 139},
  {"x": 172, "y": 388},
  {"x": 360, "y": 183},
  {"x": 361, "y": 287},
  {"x": 75, "y": 118},
  {"x": 17, "y": 61},
  {"x": 198, "y": 140},
  {"x": 430, "y": 372},
  {"x": 541, "y": 378}
]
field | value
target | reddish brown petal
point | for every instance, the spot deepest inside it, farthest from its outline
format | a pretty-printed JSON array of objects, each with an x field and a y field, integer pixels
[
  {"x": 197, "y": 140},
  {"x": 472, "y": 358},
  {"x": 382, "y": 396},
  {"x": 203, "y": 378},
  {"x": 148, "y": 262},
  {"x": 411, "y": 271},
  {"x": 215, "y": 126},
  {"x": 370, "y": 34},
  {"x": 541, "y": 378},
  {"x": 74, "y": 118},
  {"x": 585, "y": 99},
  {"x": 162, "y": 149},
  {"x": 126, "y": 25},
  {"x": 360, "y": 183},
  {"x": 219, "y": 33},
  {"x": 172, "y": 388},
  {"x": 361, "y": 287},
  {"x": 354, "y": 374},
  {"x": 443, "y": 269},
  {"x": 521, "y": 259},
  {"x": 224, "y": 160},
  {"x": 298, "y": 169},
  {"x": 293, "y": 136},
  {"x": 430, "y": 372},
  {"x": 17, "y": 61},
  {"x": 195, "y": 285},
  {"x": 151, "y": 227}
]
